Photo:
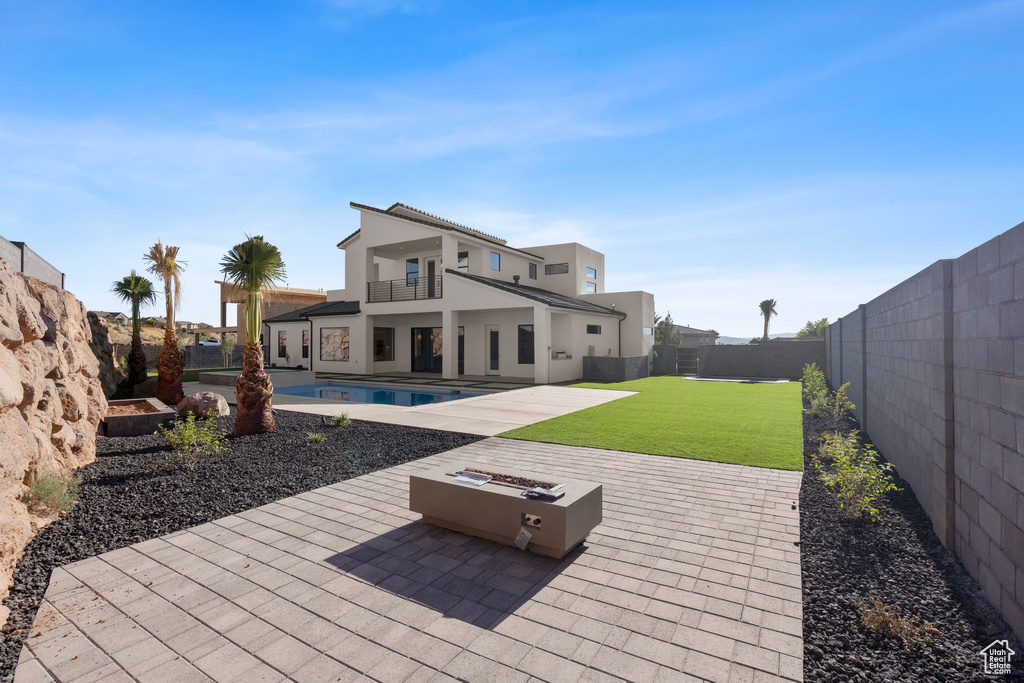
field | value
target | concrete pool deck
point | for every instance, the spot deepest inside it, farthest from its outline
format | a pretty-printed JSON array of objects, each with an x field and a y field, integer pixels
[
  {"x": 485, "y": 415},
  {"x": 694, "y": 574}
]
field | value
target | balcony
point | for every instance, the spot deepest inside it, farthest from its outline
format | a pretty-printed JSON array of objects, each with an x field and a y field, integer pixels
[{"x": 406, "y": 289}]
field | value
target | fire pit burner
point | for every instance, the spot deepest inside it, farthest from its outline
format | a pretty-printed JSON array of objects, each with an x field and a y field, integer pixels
[{"x": 512, "y": 480}]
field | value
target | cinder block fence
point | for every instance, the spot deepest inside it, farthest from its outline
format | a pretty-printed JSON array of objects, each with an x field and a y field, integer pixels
[{"x": 936, "y": 368}]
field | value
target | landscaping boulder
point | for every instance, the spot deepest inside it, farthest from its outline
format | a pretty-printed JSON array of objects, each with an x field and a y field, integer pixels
[
  {"x": 204, "y": 404},
  {"x": 145, "y": 389}
]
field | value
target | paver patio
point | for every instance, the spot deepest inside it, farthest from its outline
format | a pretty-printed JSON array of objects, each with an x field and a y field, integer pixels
[{"x": 694, "y": 574}]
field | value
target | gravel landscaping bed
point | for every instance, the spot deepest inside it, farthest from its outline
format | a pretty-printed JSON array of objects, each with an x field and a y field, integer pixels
[
  {"x": 900, "y": 561},
  {"x": 132, "y": 493}
]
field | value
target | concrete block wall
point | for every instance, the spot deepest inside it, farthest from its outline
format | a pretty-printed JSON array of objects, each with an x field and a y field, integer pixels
[
  {"x": 782, "y": 359},
  {"x": 615, "y": 368},
  {"x": 937, "y": 363}
]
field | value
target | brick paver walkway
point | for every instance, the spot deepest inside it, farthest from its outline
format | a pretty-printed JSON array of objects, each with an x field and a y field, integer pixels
[{"x": 694, "y": 574}]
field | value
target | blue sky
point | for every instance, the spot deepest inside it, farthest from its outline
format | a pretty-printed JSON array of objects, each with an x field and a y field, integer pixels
[{"x": 719, "y": 153}]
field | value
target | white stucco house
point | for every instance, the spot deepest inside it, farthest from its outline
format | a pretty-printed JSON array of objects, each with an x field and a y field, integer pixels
[{"x": 414, "y": 281}]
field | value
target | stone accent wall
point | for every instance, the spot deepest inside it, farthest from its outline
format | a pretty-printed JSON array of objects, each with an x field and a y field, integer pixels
[
  {"x": 51, "y": 399},
  {"x": 779, "y": 359},
  {"x": 940, "y": 376}
]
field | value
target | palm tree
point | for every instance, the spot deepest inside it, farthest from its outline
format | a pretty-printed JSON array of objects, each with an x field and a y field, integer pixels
[
  {"x": 138, "y": 291},
  {"x": 767, "y": 311},
  {"x": 164, "y": 262},
  {"x": 253, "y": 267}
]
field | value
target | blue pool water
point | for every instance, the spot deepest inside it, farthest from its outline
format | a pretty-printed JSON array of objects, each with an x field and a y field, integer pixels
[{"x": 372, "y": 393}]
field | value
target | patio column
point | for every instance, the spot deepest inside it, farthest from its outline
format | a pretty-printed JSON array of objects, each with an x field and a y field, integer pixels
[
  {"x": 364, "y": 355},
  {"x": 541, "y": 345},
  {"x": 449, "y": 255},
  {"x": 449, "y": 344}
]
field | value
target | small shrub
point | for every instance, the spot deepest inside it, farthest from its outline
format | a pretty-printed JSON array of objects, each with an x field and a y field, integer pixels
[
  {"x": 316, "y": 437},
  {"x": 813, "y": 381},
  {"x": 193, "y": 438},
  {"x": 889, "y": 620},
  {"x": 819, "y": 404},
  {"x": 340, "y": 420},
  {"x": 122, "y": 365},
  {"x": 52, "y": 493},
  {"x": 853, "y": 475}
]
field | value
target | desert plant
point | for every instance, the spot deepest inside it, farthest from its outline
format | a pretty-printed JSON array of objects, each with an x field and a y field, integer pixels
[
  {"x": 316, "y": 437},
  {"x": 193, "y": 438},
  {"x": 767, "y": 312},
  {"x": 889, "y": 620},
  {"x": 163, "y": 261},
  {"x": 253, "y": 267},
  {"x": 52, "y": 492},
  {"x": 340, "y": 420},
  {"x": 853, "y": 474},
  {"x": 137, "y": 291},
  {"x": 122, "y": 365},
  {"x": 813, "y": 380}
]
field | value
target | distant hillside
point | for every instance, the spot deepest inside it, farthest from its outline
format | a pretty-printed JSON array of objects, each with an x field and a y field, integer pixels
[
  {"x": 151, "y": 334},
  {"x": 746, "y": 340}
]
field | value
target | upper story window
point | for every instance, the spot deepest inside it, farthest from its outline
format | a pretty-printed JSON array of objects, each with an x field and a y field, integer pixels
[
  {"x": 533, "y": 271},
  {"x": 412, "y": 271},
  {"x": 556, "y": 269},
  {"x": 592, "y": 273},
  {"x": 495, "y": 261},
  {"x": 463, "y": 261},
  {"x": 592, "y": 287},
  {"x": 593, "y": 329}
]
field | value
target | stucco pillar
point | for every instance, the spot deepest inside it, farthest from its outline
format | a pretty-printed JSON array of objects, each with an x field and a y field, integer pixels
[
  {"x": 362, "y": 348},
  {"x": 449, "y": 253},
  {"x": 450, "y": 344},
  {"x": 541, "y": 345}
]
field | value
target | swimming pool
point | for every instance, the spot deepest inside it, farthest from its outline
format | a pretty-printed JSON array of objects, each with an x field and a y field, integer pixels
[{"x": 372, "y": 393}]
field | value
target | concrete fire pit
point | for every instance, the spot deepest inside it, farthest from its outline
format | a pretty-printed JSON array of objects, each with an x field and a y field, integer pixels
[
  {"x": 134, "y": 417},
  {"x": 498, "y": 511}
]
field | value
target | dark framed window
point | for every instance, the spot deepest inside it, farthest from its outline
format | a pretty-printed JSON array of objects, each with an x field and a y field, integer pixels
[
  {"x": 592, "y": 273},
  {"x": 649, "y": 331},
  {"x": 533, "y": 271},
  {"x": 305, "y": 343},
  {"x": 334, "y": 343},
  {"x": 593, "y": 329},
  {"x": 556, "y": 269},
  {"x": 463, "y": 261},
  {"x": 282, "y": 344},
  {"x": 526, "y": 344},
  {"x": 495, "y": 261},
  {"x": 412, "y": 271},
  {"x": 592, "y": 287},
  {"x": 383, "y": 343}
]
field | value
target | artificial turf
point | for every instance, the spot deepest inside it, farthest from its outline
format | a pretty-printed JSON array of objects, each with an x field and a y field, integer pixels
[{"x": 745, "y": 424}]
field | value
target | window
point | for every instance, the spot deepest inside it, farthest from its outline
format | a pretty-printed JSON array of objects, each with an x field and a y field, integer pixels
[
  {"x": 593, "y": 329},
  {"x": 334, "y": 343},
  {"x": 592, "y": 273},
  {"x": 463, "y": 261},
  {"x": 526, "y": 344},
  {"x": 412, "y": 271},
  {"x": 305, "y": 343},
  {"x": 383, "y": 343},
  {"x": 592, "y": 287},
  {"x": 533, "y": 271},
  {"x": 648, "y": 330},
  {"x": 495, "y": 261},
  {"x": 282, "y": 344},
  {"x": 556, "y": 269}
]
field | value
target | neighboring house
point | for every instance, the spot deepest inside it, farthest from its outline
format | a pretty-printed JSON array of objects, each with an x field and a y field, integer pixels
[
  {"x": 116, "y": 316},
  {"x": 691, "y": 337},
  {"x": 414, "y": 280},
  {"x": 277, "y": 301}
]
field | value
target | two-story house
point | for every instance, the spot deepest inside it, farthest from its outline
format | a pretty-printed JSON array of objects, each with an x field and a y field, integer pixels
[{"x": 426, "y": 294}]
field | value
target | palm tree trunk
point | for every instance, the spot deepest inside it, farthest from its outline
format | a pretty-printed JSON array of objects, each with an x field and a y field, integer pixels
[
  {"x": 764, "y": 339},
  {"x": 136, "y": 361},
  {"x": 169, "y": 369},
  {"x": 253, "y": 393}
]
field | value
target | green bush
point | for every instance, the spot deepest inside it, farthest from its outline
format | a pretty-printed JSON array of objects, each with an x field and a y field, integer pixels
[
  {"x": 340, "y": 420},
  {"x": 813, "y": 381},
  {"x": 853, "y": 474},
  {"x": 316, "y": 437},
  {"x": 193, "y": 438},
  {"x": 51, "y": 493}
]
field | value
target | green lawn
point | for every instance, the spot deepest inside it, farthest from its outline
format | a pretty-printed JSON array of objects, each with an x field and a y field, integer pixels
[
  {"x": 193, "y": 375},
  {"x": 746, "y": 424}
]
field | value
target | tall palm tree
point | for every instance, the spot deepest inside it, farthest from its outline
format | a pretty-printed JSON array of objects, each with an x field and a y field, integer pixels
[
  {"x": 767, "y": 311},
  {"x": 253, "y": 267},
  {"x": 163, "y": 261},
  {"x": 138, "y": 292}
]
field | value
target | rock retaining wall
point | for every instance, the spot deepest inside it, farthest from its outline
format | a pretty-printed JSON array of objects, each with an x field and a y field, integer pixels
[{"x": 51, "y": 399}]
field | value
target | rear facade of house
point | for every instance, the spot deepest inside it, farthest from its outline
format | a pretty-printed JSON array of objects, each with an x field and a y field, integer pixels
[{"x": 425, "y": 294}]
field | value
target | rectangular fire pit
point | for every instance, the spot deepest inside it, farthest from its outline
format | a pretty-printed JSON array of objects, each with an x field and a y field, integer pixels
[
  {"x": 498, "y": 510},
  {"x": 134, "y": 417}
]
